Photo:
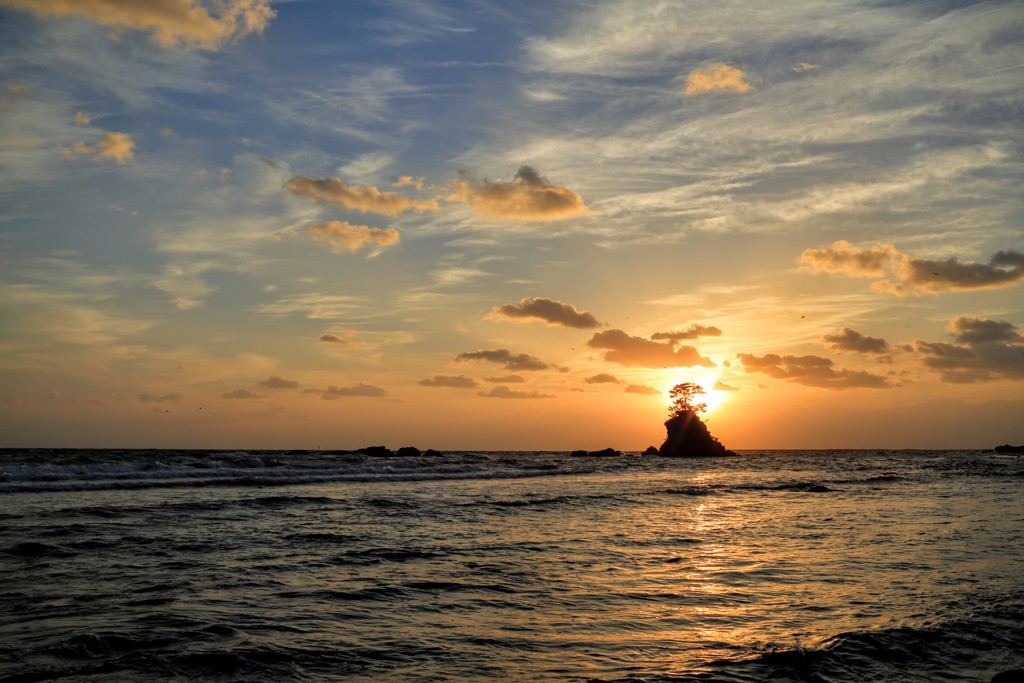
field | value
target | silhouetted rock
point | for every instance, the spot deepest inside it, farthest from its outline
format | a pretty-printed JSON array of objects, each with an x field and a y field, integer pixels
[
  {"x": 1011, "y": 676},
  {"x": 688, "y": 437},
  {"x": 651, "y": 450},
  {"x": 376, "y": 451},
  {"x": 409, "y": 452},
  {"x": 1007, "y": 448},
  {"x": 604, "y": 453},
  {"x": 431, "y": 453}
]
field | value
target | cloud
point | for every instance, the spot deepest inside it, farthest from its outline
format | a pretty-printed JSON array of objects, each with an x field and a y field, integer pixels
[
  {"x": 624, "y": 349},
  {"x": 551, "y": 312},
  {"x": 716, "y": 77},
  {"x": 603, "y": 378},
  {"x": 505, "y": 392},
  {"x": 694, "y": 332},
  {"x": 986, "y": 350},
  {"x": 359, "y": 198},
  {"x": 804, "y": 67},
  {"x": 241, "y": 393},
  {"x": 812, "y": 371},
  {"x": 517, "y": 362},
  {"x": 82, "y": 119},
  {"x": 342, "y": 235},
  {"x": 172, "y": 23},
  {"x": 643, "y": 390},
  {"x": 331, "y": 338},
  {"x": 278, "y": 383},
  {"x": 456, "y": 382},
  {"x": 851, "y": 340},
  {"x": 117, "y": 146},
  {"x": 409, "y": 181},
  {"x": 722, "y": 386},
  {"x": 333, "y": 392},
  {"x": 147, "y": 398},
  {"x": 506, "y": 379},
  {"x": 903, "y": 274},
  {"x": 529, "y": 197}
]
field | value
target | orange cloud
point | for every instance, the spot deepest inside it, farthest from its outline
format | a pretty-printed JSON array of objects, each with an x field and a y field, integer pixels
[
  {"x": 82, "y": 119},
  {"x": 551, "y": 312},
  {"x": 172, "y": 23},
  {"x": 902, "y": 274},
  {"x": 360, "y": 198},
  {"x": 642, "y": 389},
  {"x": 624, "y": 349},
  {"x": 985, "y": 350},
  {"x": 242, "y": 393},
  {"x": 117, "y": 146},
  {"x": 813, "y": 371},
  {"x": 529, "y": 197},
  {"x": 278, "y": 383},
  {"x": 603, "y": 378},
  {"x": 368, "y": 390},
  {"x": 513, "y": 362},
  {"x": 714, "y": 78},
  {"x": 343, "y": 235},
  {"x": 851, "y": 340},
  {"x": 695, "y": 331},
  {"x": 505, "y": 392}
]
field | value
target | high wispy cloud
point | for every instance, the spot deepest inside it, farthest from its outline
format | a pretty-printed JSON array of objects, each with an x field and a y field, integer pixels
[
  {"x": 813, "y": 371},
  {"x": 717, "y": 77},
  {"x": 624, "y": 349},
  {"x": 851, "y": 340},
  {"x": 343, "y": 236},
  {"x": 985, "y": 350},
  {"x": 901, "y": 274},
  {"x": 515, "y": 362},
  {"x": 117, "y": 146},
  {"x": 454, "y": 382},
  {"x": 529, "y": 197},
  {"x": 172, "y": 23},
  {"x": 366, "y": 199},
  {"x": 505, "y": 392},
  {"x": 546, "y": 310}
]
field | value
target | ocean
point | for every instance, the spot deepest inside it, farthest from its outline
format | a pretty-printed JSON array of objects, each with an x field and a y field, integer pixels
[{"x": 155, "y": 565}]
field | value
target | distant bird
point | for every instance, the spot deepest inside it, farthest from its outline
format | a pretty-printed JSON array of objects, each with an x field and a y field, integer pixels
[{"x": 803, "y": 316}]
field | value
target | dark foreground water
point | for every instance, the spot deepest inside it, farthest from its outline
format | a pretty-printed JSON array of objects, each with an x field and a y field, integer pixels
[{"x": 800, "y": 566}]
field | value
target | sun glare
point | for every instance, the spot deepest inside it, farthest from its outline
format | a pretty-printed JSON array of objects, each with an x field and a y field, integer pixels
[{"x": 711, "y": 396}]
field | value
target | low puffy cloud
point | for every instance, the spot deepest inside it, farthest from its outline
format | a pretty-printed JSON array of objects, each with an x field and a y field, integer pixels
[
  {"x": 529, "y": 197},
  {"x": 506, "y": 379},
  {"x": 241, "y": 394},
  {"x": 358, "y": 197},
  {"x": 342, "y": 235},
  {"x": 117, "y": 146},
  {"x": 515, "y": 362},
  {"x": 627, "y": 350},
  {"x": 851, "y": 340},
  {"x": 813, "y": 371},
  {"x": 715, "y": 78},
  {"x": 340, "y": 339},
  {"x": 276, "y": 382},
  {"x": 546, "y": 310},
  {"x": 82, "y": 119},
  {"x": 603, "y": 378},
  {"x": 455, "y": 382},
  {"x": 148, "y": 398},
  {"x": 695, "y": 331},
  {"x": 333, "y": 392},
  {"x": 985, "y": 350},
  {"x": 643, "y": 390},
  {"x": 722, "y": 386},
  {"x": 172, "y": 23},
  {"x": 505, "y": 392},
  {"x": 902, "y": 274}
]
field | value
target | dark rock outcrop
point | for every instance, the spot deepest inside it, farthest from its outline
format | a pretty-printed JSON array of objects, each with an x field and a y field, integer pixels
[
  {"x": 651, "y": 450},
  {"x": 431, "y": 453},
  {"x": 409, "y": 452},
  {"x": 604, "y": 453},
  {"x": 376, "y": 451},
  {"x": 688, "y": 437},
  {"x": 1007, "y": 448}
]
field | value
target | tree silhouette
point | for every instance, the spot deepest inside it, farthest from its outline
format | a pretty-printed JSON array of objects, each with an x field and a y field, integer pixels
[{"x": 684, "y": 399}]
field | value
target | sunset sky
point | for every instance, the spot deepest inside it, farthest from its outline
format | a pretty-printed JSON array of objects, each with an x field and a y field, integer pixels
[{"x": 492, "y": 225}]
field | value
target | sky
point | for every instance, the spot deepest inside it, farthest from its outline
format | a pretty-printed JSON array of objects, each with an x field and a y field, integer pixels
[{"x": 503, "y": 226}]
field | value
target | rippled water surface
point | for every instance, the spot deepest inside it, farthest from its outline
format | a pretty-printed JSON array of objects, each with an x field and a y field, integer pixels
[{"x": 829, "y": 566}]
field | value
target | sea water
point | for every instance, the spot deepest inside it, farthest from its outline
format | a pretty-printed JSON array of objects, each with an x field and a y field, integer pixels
[{"x": 800, "y": 566}]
